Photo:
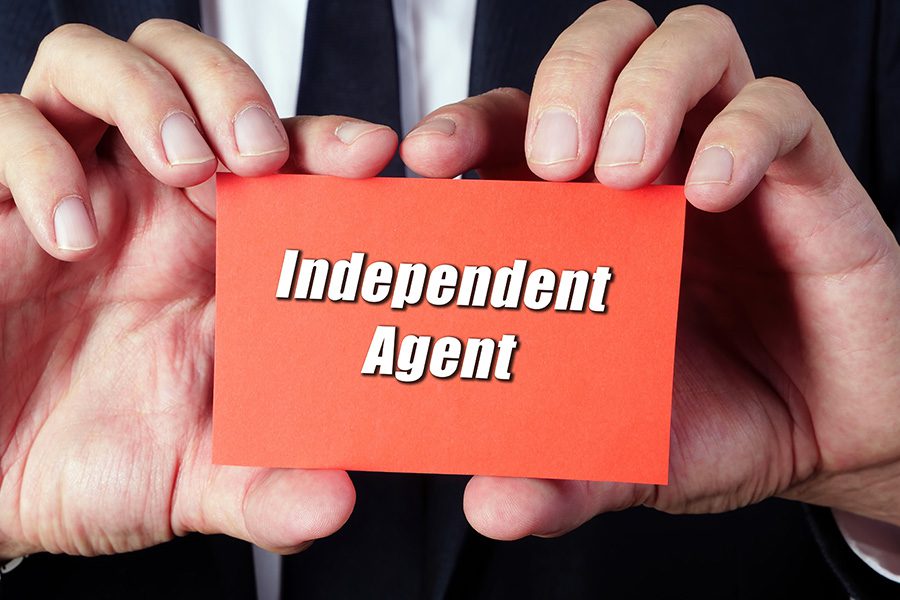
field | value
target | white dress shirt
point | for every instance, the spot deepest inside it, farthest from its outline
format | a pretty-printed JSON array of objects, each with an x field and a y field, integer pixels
[{"x": 434, "y": 48}]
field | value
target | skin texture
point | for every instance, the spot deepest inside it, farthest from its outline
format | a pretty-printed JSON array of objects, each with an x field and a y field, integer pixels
[
  {"x": 787, "y": 371},
  {"x": 106, "y": 361},
  {"x": 787, "y": 368}
]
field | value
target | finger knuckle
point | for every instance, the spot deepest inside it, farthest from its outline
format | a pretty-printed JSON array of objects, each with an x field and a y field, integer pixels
[
  {"x": 14, "y": 106},
  {"x": 783, "y": 87},
  {"x": 142, "y": 73},
  {"x": 59, "y": 42},
  {"x": 705, "y": 16},
  {"x": 142, "y": 78},
  {"x": 564, "y": 61},
  {"x": 70, "y": 32},
  {"x": 748, "y": 118},
  {"x": 41, "y": 151},
  {"x": 155, "y": 27},
  {"x": 224, "y": 67},
  {"x": 35, "y": 155},
  {"x": 651, "y": 74},
  {"x": 622, "y": 9}
]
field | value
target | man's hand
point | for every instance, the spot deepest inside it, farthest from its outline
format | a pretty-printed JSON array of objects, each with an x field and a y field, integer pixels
[
  {"x": 106, "y": 365},
  {"x": 787, "y": 376}
]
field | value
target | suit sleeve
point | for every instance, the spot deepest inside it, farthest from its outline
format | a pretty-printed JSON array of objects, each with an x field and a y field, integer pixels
[
  {"x": 887, "y": 99},
  {"x": 859, "y": 579}
]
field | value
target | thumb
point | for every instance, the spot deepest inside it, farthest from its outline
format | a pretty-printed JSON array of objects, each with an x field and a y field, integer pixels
[
  {"x": 280, "y": 510},
  {"x": 485, "y": 132},
  {"x": 509, "y": 508}
]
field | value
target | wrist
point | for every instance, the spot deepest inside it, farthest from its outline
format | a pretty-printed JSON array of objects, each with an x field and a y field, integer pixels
[{"x": 873, "y": 493}]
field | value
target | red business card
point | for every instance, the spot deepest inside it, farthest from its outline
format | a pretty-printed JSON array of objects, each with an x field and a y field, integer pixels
[{"x": 472, "y": 327}]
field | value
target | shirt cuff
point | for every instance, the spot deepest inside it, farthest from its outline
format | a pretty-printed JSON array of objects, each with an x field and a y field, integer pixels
[
  {"x": 876, "y": 543},
  {"x": 10, "y": 565}
]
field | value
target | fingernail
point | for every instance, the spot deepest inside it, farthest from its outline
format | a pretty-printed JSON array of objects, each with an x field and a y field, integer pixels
[
  {"x": 438, "y": 125},
  {"x": 256, "y": 133},
  {"x": 555, "y": 138},
  {"x": 74, "y": 230},
  {"x": 350, "y": 131},
  {"x": 182, "y": 141},
  {"x": 623, "y": 143},
  {"x": 714, "y": 165}
]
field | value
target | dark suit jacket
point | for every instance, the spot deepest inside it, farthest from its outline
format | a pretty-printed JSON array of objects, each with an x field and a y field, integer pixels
[{"x": 407, "y": 537}]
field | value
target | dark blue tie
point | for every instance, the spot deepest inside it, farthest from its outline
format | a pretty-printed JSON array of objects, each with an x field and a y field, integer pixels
[
  {"x": 350, "y": 64},
  {"x": 350, "y": 68}
]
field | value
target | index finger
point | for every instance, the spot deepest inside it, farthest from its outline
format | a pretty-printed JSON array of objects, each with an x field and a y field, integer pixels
[{"x": 573, "y": 84}]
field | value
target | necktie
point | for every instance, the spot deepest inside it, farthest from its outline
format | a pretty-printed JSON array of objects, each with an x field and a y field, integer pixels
[
  {"x": 350, "y": 68},
  {"x": 350, "y": 64}
]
